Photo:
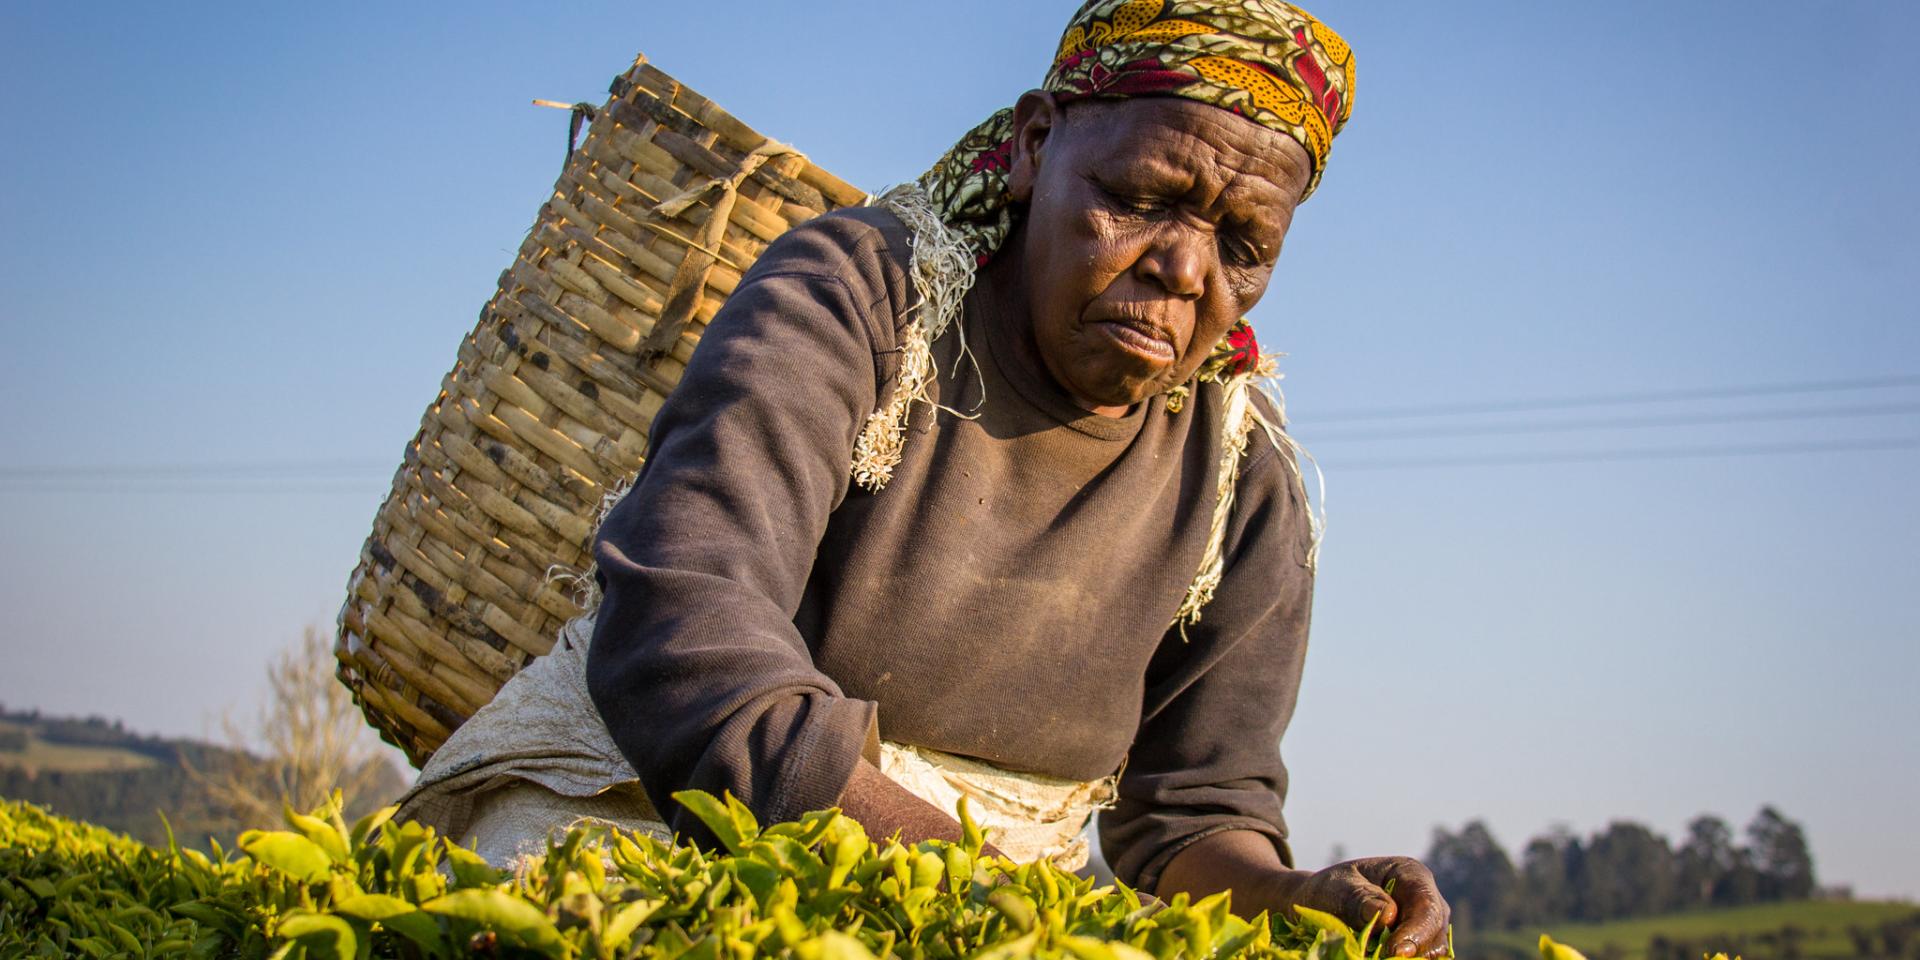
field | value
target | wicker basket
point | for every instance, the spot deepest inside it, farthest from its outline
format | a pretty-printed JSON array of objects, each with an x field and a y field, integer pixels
[{"x": 664, "y": 204}]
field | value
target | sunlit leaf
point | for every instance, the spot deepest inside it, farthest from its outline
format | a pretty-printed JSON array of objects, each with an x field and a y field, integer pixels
[
  {"x": 1549, "y": 950},
  {"x": 321, "y": 833},
  {"x": 324, "y": 937},
  {"x": 501, "y": 913},
  {"x": 471, "y": 869},
  {"x": 373, "y": 906},
  {"x": 716, "y": 815},
  {"x": 289, "y": 853}
]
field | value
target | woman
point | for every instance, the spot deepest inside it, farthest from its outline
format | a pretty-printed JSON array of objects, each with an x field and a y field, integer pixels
[{"x": 969, "y": 491}]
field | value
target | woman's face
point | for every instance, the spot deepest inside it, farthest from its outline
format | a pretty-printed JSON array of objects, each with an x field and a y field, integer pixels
[{"x": 1151, "y": 225}]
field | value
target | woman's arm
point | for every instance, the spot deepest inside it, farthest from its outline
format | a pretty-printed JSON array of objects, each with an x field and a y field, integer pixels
[
  {"x": 1201, "y": 798},
  {"x": 1219, "y": 694},
  {"x": 695, "y": 664}
]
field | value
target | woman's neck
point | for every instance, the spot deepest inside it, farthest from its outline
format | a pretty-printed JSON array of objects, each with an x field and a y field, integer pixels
[{"x": 1002, "y": 285}]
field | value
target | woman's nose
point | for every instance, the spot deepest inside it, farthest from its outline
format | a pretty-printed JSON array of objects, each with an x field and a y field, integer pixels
[{"x": 1177, "y": 263}]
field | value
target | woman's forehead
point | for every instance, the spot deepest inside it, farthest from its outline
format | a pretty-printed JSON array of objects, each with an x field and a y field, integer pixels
[{"x": 1169, "y": 135}]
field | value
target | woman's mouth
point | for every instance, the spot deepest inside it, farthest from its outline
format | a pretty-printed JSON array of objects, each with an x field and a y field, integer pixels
[{"x": 1143, "y": 340}]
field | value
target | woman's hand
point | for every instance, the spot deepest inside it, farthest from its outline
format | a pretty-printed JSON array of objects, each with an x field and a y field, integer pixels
[
  {"x": 1398, "y": 890},
  {"x": 1356, "y": 891}
]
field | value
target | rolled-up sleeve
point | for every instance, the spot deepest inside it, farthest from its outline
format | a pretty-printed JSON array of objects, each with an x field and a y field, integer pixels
[
  {"x": 696, "y": 665},
  {"x": 1206, "y": 758}
]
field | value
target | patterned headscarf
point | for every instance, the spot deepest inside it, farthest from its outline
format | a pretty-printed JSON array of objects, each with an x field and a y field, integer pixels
[{"x": 1265, "y": 60}]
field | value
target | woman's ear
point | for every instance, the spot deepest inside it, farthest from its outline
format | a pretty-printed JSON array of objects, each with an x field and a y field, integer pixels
[{"x": 1036, "y": 117}]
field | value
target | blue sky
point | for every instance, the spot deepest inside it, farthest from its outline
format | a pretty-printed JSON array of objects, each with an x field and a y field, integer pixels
[{"x": 255, "y": 234}]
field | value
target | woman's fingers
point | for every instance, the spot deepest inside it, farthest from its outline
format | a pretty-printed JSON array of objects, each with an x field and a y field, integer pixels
[
  {"x": 1345, "y": 892},
  {"x": 1366, "y": 903},
  {"x": 1421, "y": 927}
]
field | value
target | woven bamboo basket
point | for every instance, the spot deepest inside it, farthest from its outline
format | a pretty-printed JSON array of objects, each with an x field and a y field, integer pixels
[{"x": 664, "y": 204}]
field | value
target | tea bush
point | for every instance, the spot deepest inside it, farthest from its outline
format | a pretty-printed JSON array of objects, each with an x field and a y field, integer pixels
[{"x": 815, "y": 889}]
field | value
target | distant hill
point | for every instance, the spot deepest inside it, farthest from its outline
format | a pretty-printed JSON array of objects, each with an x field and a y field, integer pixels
[
  {"x": 1794, "y": 930},
  {"x": 94, "y": 769}
]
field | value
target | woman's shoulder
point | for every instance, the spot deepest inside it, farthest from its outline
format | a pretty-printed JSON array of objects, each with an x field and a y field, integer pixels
[
  {"x": 1275, "y": 469},
  {"x": 868, "y": 249}
]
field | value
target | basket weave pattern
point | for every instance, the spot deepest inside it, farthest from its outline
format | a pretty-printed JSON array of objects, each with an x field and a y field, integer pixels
[{"x": 666, "y": 202}]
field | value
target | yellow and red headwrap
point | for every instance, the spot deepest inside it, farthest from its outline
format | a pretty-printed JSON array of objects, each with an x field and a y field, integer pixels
[
  {"x": 1265, "y": 60},
  {"x": 1268, "y": 61}
]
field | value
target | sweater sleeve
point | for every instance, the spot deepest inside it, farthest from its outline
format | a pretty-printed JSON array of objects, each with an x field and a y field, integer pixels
[
  {"x": 695, "y": 664},
  {"x": 1206, "y": 757}
]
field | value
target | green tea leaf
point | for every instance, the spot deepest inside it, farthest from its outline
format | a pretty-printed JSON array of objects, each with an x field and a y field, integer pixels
[
  {"x": 758, "y": 877},
  {"x": 1012, "y": 949},
  {"x": 289, "y": 853},
  {"x": 848, "y": 849},
  {"x": 501, "y": 913},
  {"x": 128, "y": 941},
  {"x": 363, "y": 828},
  {"x": 625, "y": 920},
  {"x": 716, "y": 816},
  {"x": 793, "y": 860},
  {"x": 971, "y": 838},
  {"x": 959, "y": 868},
  {"x": 1549, "y": 950},
  {"x": 810, "y": 828},
  {"x": 928, "y": 868},
  {"x": 471, "y": 869},
  {"x": 373, "y": 906},
  {"x": 834, "y": 945},
  {"x": 1015, "y": 907},
  {"x": 209, "y": 915},
  {"x": 421, "y": 928},
  {"x": 321, "y": 833},
  {"x": 1318, "y": 920},
  {"x": 324, "y": 937}
]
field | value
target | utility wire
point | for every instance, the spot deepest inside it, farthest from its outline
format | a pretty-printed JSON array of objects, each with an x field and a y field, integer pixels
[
  {"x": 122, "y": 491},
  {"x": 1625, "y": 423},
  {"x": 1333, "y": 466},
  {"x": 1603, "y": 400},
  {"x": 255, "y": 468},
  {"x": 343, "y": 475},
  {"x": 1606, "y": 456}
]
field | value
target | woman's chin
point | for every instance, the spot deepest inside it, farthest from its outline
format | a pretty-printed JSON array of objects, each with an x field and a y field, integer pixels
[
  {"x": 1123, "y": 393},
  {"x": 1100, "y": 379}
]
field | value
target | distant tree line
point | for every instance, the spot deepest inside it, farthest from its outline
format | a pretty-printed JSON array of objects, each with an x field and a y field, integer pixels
[
  {"x": 1626, "y": 870},
  {"x": 204, "y": 790},
  {"x": 132, "y": 800}
]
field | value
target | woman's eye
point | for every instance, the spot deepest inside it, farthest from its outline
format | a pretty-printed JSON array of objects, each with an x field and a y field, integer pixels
[
  {"x": 1133, "y": 203},
  {"x": 1239, "y": 252}
]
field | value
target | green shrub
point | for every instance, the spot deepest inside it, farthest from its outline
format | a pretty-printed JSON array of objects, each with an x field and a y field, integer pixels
[{"x": 815, "y": 889}]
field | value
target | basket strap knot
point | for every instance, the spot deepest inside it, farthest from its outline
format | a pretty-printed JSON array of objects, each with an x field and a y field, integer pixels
[{"x": 687, "y": 291}]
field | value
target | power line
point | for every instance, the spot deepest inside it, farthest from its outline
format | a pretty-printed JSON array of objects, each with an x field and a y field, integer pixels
[
  {"x": 203, "y": 489},
  {"x": 1602, "y": 400},
  {"x": 254, "y": 468},
  {"x": 1618, "y": 423},
  {"x": 1600, "y": 456},
  {"x": 181, "y": 477}
]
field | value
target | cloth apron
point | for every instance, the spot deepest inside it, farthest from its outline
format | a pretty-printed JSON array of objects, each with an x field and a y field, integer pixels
[{"x": 538, "y": 760}]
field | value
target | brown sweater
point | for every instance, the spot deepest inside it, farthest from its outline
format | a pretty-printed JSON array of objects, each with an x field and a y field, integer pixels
[{"x": 1007, "y": 595}]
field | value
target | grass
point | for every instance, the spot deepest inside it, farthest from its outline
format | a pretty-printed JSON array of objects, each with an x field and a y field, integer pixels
[
  {"x": 1824, "y": 922},
  {"x": 41, "y": 756}
]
